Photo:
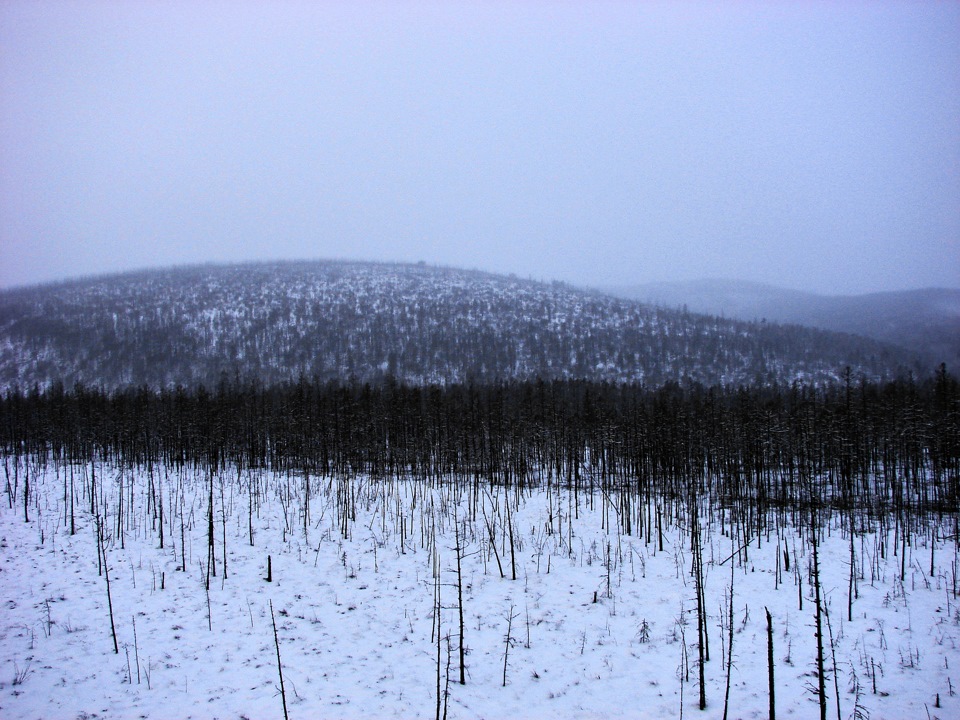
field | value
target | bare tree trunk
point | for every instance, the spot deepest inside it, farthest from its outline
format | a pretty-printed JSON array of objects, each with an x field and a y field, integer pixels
[
  {"x": 459, "y": 551},
  {"x": 276, "y": 642},
  {"x": 211, "y": 550},
  {"x": 26, "y": 493},
  {"x": 818, "y": 614},
  {"x": 770, "y": 678},
  {"x": 853, "y": 569},
  {"x": 513, "y": 559},
  {"x": 437, "y": 607},
  {"x": 701, "y": 610},
  {"x": 726, "y": 696},
  {"x": 106, "y": 573}
]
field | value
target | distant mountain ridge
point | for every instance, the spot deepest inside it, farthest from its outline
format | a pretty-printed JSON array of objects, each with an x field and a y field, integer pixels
[
  {"x": 333, "y": 320},
  {"x": 925, "y": 321}
]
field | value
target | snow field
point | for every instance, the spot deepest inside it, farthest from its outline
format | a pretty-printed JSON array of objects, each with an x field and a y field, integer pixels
[{"x": 603, "y": 623}]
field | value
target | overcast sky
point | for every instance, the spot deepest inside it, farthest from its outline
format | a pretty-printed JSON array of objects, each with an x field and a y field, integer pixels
[{"x": 810, "y": 145}]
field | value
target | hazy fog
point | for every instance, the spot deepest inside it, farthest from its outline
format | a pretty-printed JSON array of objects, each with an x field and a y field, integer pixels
[{"x": 810, "y": 145}]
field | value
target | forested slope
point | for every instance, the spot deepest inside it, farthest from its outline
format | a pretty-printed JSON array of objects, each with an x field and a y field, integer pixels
[{"x": 338, "y": 320}]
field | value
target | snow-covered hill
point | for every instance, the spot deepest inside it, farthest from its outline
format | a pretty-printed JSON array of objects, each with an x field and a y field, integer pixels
[{"x": 336, "y": 320}]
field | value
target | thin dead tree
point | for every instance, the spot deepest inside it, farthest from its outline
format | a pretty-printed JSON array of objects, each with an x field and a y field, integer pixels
[
  {"x": 507, "y": 642},
  {"x": 458, "y": 549},
  {"x": 697, "y": 570},
  {"x": 437, "y": 627},
  {"x": 818, "y": 616},
  {"x": 276, "y": 642},
  {"x": 770, "y": 678},
  {"x": 106, "y": 572},
  {"x": 726, "y": 695}
]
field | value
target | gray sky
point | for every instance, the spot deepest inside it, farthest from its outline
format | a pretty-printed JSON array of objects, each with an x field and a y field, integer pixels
[{"x": 810, "y": 145}]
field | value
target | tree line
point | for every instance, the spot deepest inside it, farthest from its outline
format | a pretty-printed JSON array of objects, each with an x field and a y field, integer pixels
[{"x": 881, "y": 446}]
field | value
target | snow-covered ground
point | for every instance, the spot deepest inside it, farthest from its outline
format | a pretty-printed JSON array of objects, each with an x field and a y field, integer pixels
[{"x": 603, "y": 623}]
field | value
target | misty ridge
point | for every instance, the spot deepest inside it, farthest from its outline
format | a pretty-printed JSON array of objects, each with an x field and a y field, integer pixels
[
  {"x": 337, "y": 320},
  {"x": 926, "y": 321}
]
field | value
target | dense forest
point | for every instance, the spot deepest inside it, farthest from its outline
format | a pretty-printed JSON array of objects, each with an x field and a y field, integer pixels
[{"x": 883, "y": 446}]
